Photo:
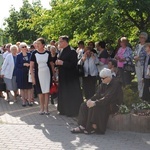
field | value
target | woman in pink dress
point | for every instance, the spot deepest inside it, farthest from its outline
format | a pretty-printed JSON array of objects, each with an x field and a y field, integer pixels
[{"x": 123, "y": 56}]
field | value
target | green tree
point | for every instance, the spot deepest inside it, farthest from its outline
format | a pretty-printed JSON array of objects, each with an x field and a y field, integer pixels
[
  {"x": 99, "y": 19},
  {"x": 18, "y": 22},
  {"x": 81, "y": 19},
  {"x": 11, "y": 29}
]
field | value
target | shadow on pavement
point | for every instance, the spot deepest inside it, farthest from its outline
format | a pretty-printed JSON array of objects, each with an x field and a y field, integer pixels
[
  {"x": 55, "y": 127},
  {"x": 54, "y": 130}
]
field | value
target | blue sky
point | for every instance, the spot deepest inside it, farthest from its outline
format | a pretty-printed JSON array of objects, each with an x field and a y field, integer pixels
[{"x": 6, "y": 4}]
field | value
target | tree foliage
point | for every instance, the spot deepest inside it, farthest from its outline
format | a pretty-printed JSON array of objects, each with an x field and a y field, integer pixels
[
  {"x": 80, "y": 19},
  {"x": 18, "y": 22}
]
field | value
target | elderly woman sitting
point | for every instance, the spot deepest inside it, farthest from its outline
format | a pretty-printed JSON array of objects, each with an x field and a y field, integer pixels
[{"x": 94, "y": 114}]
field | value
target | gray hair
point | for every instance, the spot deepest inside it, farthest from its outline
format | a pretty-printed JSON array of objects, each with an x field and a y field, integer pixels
[
  {"x": 105, "y": 73},
  {"x": 144, "y": 34},
  {"x": 12, "y": 47}
]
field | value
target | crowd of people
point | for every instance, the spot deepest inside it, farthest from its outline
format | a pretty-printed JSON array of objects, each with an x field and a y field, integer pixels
[{"x": 28, "y": 71}]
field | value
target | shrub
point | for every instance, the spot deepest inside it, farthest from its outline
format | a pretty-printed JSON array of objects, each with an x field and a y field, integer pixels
[{"x": 130, "y": 96}]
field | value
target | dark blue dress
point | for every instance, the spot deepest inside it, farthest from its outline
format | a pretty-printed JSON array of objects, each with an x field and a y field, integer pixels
[{"x": 22, "y": 71}]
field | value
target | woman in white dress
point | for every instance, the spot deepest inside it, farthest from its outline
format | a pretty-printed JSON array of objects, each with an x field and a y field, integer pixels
[{"x": 42, "y": 68}]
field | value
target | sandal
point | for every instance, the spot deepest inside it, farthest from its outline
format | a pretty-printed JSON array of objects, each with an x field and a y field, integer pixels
[
  {"x": 15, "y": 101},
  {"x": 77, "y": 130},
  {"x": 30, "y": 104},
  {"x": 47, "y": 113},
  {"x": 41, "y": 113},
  {"x": 91, "y": 132},
  {"x": 23, "y": 105}
]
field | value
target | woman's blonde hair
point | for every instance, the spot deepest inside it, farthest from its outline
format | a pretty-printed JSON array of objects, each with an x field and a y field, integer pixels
[
  {"x": 22, "y": 44},
  {"x": 53, "y": 47}
]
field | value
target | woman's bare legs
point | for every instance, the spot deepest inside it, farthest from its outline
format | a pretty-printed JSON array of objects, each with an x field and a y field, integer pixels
[
  {"x": 23, "y": 97},
  {"x": 42, "y": 101},
  {"x": 15, "y": 96},
  {"x": 32, "y": 94},
  {"x": 46, "y": 96},
  {"x": 29, "y": 95}
]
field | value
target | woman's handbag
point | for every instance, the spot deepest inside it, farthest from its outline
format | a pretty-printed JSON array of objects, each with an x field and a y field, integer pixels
[
  {"x": 54, "y": 88},
  {"x": 129, "y": 66}
]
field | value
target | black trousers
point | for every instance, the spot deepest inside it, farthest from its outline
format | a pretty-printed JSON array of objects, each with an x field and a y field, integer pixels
[
  {"x": 146, "y": 90},
  {"x": 125, "y": 76},
  {"x": 89, "y": 86},
  {"x": 96, "y": 115}
]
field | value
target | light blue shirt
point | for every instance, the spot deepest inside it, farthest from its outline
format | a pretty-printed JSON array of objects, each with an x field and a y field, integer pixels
[{"x": 90, "y": 66}]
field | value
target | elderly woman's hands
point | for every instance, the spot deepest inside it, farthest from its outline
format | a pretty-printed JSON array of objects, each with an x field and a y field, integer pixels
[
  {"x": 136, "y": 58},
  {"x": 26, "y": 64},
  {"x": 90, "y": 103},
  {"x": 121, "y": 59}
]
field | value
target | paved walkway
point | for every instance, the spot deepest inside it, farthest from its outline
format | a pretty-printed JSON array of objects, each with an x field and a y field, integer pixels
[{"x": 22, "y": 128}]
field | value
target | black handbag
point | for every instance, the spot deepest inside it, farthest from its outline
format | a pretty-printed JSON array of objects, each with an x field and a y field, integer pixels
[{"x": 129, "y": 66}]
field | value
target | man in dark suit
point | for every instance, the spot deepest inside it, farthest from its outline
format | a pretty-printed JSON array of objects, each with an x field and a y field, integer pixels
[{"x": 69, "y": 92}]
